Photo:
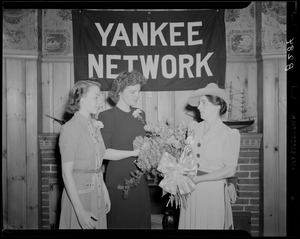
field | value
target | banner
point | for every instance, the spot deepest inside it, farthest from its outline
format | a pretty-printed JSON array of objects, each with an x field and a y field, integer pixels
[{"x": 174, "y": 50}]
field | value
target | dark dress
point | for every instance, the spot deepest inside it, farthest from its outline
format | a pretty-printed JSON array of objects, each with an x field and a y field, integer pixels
[{"x": 120, "y": 129}]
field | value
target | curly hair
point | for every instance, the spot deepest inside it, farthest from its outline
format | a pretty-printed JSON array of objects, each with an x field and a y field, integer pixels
[
  {"x": 79, "y": 90},
  {"x": 218, "y": 101},
  {"x": 123, "y": 80}
]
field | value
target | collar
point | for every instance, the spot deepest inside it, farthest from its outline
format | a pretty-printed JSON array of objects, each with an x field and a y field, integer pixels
[
  {"x": 82, "y": 119},
  {"x": 212, "y": 131}
]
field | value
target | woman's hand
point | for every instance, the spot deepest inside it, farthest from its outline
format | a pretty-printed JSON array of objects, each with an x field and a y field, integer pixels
[
  {"x": 86, "y": 219},
  {"x": 136, "y": 152}
]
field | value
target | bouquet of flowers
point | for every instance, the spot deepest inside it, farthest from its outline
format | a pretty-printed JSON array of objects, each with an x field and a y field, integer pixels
[
  {"x": 175, "y": 171},
  {"x": 165, "y": 152}
]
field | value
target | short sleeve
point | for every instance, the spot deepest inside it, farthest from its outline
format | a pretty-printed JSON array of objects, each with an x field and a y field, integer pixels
[
  {"x": 69, "y": 140},
  {"x": 106, "y": 130},
  {"x": 231, "y": 147}
]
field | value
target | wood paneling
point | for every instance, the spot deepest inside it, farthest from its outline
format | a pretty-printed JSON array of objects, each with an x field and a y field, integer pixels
[
  {"x": 165, "y": 106},
  {"x": 180, "y": 104},
  {"x": 20, "y": 152},
  {"x": 61, "y": 88},
  {"x": 47, "y": 96},
  {"x": 270, "y": 155},
  {"x": 16, "y": 143},
  {"x": 282, "y": 110},
  {"x": 32, "y": 165},
  {"x": 151, "y": 106},
  {"x": 274, "y": 126},
  {"x": 58, "y": 79},
  {"x": 4, "y": 144}
]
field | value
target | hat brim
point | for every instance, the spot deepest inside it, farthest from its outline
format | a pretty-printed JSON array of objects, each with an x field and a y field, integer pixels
[{"x": 194, "y": 98}]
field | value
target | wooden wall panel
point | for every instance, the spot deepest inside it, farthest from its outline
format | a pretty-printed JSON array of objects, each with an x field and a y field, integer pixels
[
  {"x": 270, "y": 143},
  {"x": 32, "y": 165},
  {"x": 165, "y": 106},
  {"x": 151, "y": 106},
  {"x": 58, "y": 79},
  {"x": 61, "y": 84},
  {"x": 4, "y": 143},
  {"x": 16, "y": 143},
  {"x": 180, "y": 104},
  {"x": 47, "y": 96},
  {"x": 282, "y": 125}
]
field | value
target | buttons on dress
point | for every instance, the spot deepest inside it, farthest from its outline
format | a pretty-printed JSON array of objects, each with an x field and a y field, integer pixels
[
  {"x": 198, "y": 155},
  {"x": 198, "y": 144}
]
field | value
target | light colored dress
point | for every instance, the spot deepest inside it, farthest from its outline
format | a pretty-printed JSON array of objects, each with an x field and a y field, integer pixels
[
  {"x": 77, "y": 143},
  {"x": 208, "y": 207}
]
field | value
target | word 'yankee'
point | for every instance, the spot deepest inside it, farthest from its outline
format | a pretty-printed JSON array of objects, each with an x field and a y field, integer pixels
[{"x": 175, "y": 34}]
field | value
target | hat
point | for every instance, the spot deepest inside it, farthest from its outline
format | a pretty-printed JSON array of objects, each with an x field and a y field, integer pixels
[{"x": 210, "y": 89}]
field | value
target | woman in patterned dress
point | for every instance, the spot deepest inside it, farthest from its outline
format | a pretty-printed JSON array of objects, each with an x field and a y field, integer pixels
[
  {"x": 85, "y": 200},
  {"x": 124, "y": 123},
  {"x": 216, "y": 148}
]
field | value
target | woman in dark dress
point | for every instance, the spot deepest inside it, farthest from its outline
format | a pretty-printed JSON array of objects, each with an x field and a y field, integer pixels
[{"x": 123, "y": 123}]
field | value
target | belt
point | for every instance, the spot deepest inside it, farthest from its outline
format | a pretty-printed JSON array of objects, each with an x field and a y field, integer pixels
[{"x": 75, "y": 170}]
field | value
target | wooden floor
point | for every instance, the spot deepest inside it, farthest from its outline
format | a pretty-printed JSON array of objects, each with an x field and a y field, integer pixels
[{"x": 156, "y": 221}]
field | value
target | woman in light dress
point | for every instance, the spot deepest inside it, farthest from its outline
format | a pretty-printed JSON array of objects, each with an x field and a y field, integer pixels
[
  {"x": 85, "y": 199},
  {"x": 216, "y": 149}
]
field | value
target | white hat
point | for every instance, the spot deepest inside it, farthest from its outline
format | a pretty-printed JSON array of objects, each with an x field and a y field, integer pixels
[{"x": 210, "y": 89}]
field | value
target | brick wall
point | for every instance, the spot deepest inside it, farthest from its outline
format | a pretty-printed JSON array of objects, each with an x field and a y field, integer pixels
[
  {"x": 248, "y": 182},
  {"x": 51, "y": 181}
]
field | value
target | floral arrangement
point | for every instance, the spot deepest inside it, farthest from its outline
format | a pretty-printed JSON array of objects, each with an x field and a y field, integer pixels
[{"x": 162, "y": 145}]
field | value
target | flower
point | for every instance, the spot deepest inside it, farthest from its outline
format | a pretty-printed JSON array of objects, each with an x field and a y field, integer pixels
[
  {"x": 138, "y": 114},
  {"x": 98, "y": 125}
]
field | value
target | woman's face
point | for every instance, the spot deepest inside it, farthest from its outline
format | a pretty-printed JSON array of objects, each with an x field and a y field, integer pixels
[
  {"x": 131, "y": 94},
  {"x": 91, "y": 102},
  {"x": 207, "y": 109}
]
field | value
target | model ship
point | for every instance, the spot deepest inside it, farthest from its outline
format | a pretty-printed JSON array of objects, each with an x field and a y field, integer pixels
[{"x": 242, "y": 122}]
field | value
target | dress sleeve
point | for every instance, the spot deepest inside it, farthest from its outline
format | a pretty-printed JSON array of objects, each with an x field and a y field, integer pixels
[
  {"x": 106, "y": 130},
  {"x": 69, "y": 140},
  {"x": 231, "y": 147}
]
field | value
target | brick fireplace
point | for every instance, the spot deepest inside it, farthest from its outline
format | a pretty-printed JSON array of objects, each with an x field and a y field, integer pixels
[{"x": 247, "y": 209}]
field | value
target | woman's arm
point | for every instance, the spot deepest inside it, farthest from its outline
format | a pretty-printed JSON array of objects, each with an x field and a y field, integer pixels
[
  {"x": 84, "y": 217},
  {"x": 225, "y": 172},
  {"x": 114, "y": 154},
  {"x": 229, "y": 153}
]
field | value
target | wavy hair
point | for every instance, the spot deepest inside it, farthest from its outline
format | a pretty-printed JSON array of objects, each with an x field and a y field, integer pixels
[
  {"x": 123, "y": 80},
  {"x": 79, "y": 90},
  {"x": 216, "y": 100}
]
